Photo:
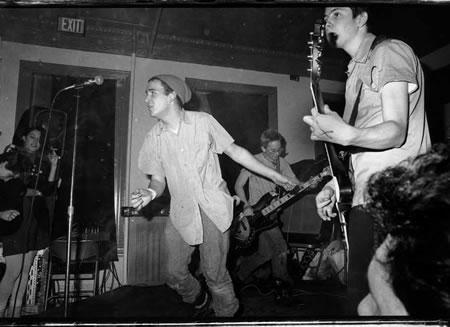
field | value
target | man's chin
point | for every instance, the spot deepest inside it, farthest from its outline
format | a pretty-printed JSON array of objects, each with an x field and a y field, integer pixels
[{"x": 155, "y": 114}]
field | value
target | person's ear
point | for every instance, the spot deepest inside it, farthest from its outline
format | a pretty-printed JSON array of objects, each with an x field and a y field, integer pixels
[
  {"x": 172, "y": 96},
  {"x": 362, "y": 19}
]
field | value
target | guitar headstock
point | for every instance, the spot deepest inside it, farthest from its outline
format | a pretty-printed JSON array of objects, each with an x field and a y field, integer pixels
[{"x": 316, "y": 43}]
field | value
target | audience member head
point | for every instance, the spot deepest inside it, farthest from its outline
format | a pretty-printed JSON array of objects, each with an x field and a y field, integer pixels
[
  {"x": 12, "y": 163},
  {"x": 410, "y": 204},
  {"x": 30, "y": 139}
]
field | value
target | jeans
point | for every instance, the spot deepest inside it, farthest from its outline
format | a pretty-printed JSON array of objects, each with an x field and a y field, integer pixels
[
  {"x": 213, "y": 255},
  {"x": 271, "y": 246}
]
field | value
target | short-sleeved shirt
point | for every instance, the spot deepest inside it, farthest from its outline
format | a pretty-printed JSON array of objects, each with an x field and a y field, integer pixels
[
  {"x": 390, "y": 61},
  {"x": 189, "y": 162},
  {"x": 259, "y": 185}
]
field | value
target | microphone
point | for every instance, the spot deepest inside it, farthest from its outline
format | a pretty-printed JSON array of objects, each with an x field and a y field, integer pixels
[{"x": 96, "y": 80}]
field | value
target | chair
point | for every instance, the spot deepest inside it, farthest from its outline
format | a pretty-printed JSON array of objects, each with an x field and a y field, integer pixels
[
  {"x": 306, "y": 234},
  {"x": 84, "y": 265}
]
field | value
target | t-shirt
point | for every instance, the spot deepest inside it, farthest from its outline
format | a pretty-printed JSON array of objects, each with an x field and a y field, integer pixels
[{"x": 391, "y": 60}]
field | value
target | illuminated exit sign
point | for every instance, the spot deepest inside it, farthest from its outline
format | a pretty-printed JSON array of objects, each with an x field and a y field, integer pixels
[{"x": 71, "y": 25}]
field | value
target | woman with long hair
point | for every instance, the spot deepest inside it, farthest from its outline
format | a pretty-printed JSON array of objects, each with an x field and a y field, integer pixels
[{"x": 20, "y": 248}]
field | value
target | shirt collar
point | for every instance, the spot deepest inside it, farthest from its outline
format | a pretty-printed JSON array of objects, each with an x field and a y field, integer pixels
[{"x": 185, "y": 118}]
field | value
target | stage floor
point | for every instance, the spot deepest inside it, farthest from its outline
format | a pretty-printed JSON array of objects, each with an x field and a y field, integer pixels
[{"x": 311, "y": 300}]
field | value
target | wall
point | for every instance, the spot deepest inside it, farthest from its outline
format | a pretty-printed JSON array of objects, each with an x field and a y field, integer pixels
[{"x": 294, "y": 100}]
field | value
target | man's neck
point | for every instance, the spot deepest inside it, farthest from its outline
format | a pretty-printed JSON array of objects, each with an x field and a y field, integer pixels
[
  {"x": 172, "y": 118},
  {"x": 353, "y": 46},
  {"x": 273, "y": 162}
]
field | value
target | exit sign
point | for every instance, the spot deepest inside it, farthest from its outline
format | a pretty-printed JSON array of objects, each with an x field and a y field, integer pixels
[{"x": 71, "y": 25}]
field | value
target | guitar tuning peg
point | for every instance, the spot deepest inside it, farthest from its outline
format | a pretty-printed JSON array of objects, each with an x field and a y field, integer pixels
[{"x": 309, "y": 70}]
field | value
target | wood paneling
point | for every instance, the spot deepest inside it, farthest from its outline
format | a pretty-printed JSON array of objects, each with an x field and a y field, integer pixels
[{"x": 145, "y": 250}]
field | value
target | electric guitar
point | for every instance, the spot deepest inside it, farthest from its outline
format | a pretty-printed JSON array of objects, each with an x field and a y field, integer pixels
[
  {"x": 246, "y": 228},
  {"x": 343, "y": 189}
]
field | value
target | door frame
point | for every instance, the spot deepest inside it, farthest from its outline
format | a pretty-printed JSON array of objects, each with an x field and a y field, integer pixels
[
  {"x": 203, "y": 85},
  {"x": 24, "y": 101}
]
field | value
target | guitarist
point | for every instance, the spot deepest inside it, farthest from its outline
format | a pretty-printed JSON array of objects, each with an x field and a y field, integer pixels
[
  {"x": 384, "y": 121},
  {"x": 271, "y": 244}
]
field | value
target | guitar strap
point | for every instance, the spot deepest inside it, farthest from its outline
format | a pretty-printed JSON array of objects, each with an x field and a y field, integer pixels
[{"x": 378, "y": 39}]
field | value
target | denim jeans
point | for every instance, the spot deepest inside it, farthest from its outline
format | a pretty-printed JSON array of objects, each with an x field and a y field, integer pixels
[
  {"x": 213, "y": 256},
  {"x": 271, "y": 246}
]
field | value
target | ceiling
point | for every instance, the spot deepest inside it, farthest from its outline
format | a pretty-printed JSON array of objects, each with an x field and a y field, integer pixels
[
  {"x": 264, "y": 38},
  {"x": 285, "y": 28}
]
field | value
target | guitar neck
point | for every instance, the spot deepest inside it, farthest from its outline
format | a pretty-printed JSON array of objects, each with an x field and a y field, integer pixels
[
  {"x": 317, "y": 95},
  {"x": 337, "y": 167},
  {"x": 289, "y": 196}
]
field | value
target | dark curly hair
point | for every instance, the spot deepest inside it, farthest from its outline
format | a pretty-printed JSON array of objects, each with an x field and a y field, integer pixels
[
  {"x": 411, "y": 202},
  {"x": 24, "y": 133},
  {"x": 16, "y": 161}
]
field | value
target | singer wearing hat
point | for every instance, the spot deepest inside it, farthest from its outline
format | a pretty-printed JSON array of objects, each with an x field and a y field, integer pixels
[{"x": 182, "y": 149}]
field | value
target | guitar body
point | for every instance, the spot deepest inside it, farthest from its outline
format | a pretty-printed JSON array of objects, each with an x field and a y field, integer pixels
[
  {"x": 245, "y": 229},
  {"x": 339, "y": 170},
  {"x": 248, "y": 227}
]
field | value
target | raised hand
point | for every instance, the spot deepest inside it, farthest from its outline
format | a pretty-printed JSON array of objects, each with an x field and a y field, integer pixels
[{"x": 53, "y": 157}]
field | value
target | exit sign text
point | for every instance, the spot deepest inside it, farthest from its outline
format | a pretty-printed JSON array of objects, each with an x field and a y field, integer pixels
[{"x": 71, "y": 25}]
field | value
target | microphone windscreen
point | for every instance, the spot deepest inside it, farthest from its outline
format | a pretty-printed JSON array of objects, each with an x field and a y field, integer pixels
[{"x": 98, "y": 80}]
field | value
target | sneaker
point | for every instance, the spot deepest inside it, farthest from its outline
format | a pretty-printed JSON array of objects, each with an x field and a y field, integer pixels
[
  {"x": 202, "y": 305},
  {"x": 283, "y": 292},
  {"x": 202, "y": 299},
  {"x": 205, "y": 313}
]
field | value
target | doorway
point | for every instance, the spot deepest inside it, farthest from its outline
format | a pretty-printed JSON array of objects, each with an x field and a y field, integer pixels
[
  {"x": 244, "y": 110},
  {"x": 100, "y": 163}
]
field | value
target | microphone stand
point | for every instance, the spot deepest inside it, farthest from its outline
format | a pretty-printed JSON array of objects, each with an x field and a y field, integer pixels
[{"x": 70, "y": 208}]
